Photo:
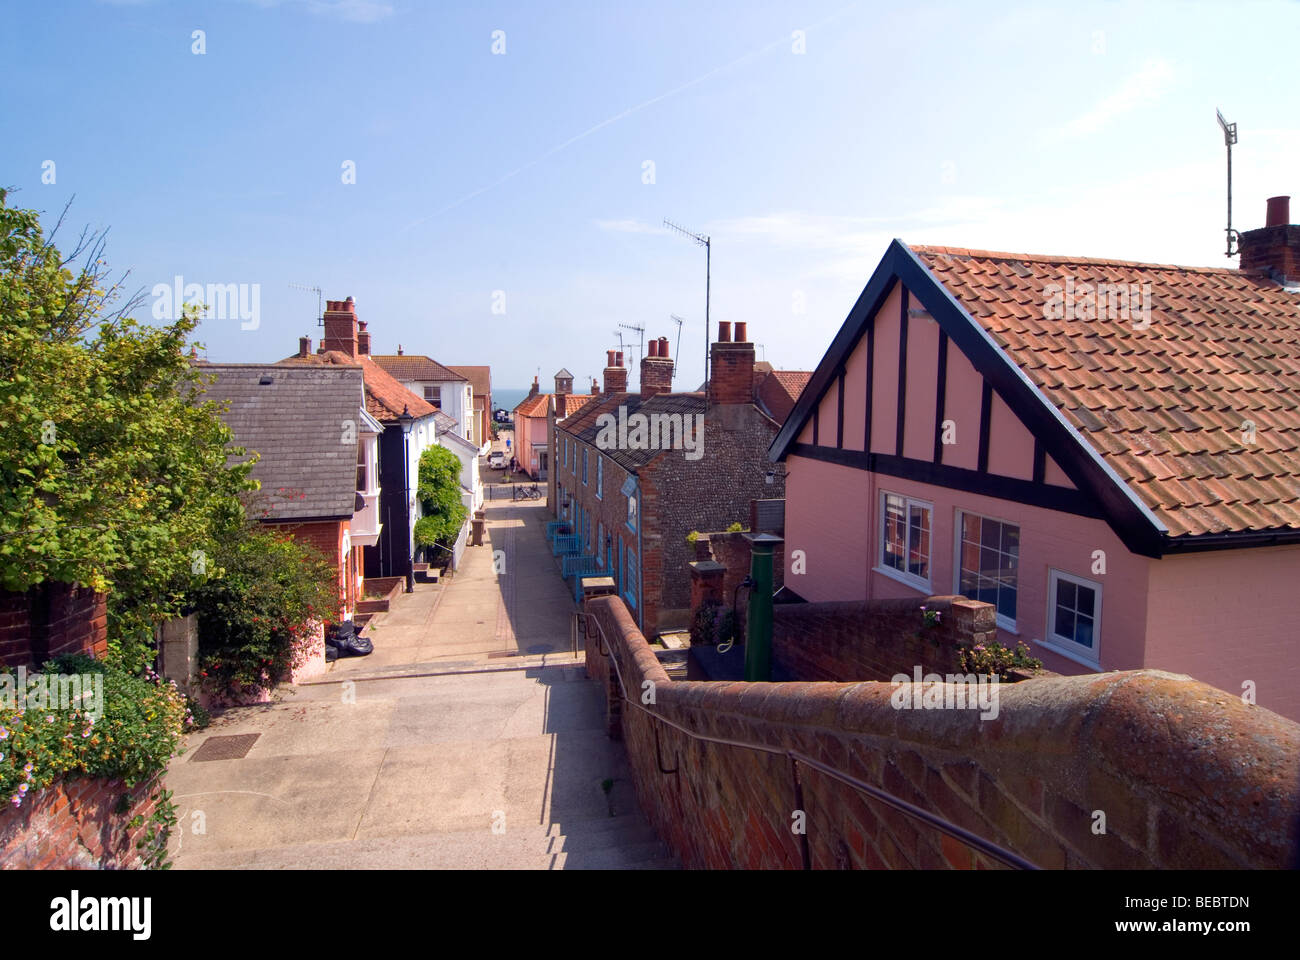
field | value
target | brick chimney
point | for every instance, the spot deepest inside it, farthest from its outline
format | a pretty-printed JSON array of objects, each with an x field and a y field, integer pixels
[
  {"x": 304, "y": 346},
  {"x": 563, "y": 382},
  {"x": 731, "y": 378},
  {"x": 1274, "y": 247},
  {"x": 657, "y": 369},
  {"x": 363, "y": 338},
  {"x": 532, "y": 391},
  {"x": 340, "y": 327},
  {"x": 595, "y": 387},
  {"x": 615, "y": 373}
]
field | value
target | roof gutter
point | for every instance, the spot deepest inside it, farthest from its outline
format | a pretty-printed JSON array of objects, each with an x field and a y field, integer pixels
[{"x": 1231, "y": 540}]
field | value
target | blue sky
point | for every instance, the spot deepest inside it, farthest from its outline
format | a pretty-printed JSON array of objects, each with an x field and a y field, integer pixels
[{"x": 1075, "y": 128}]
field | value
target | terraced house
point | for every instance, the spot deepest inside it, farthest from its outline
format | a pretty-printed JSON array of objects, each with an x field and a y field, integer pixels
[
  {"x": 629, "y": 499},
  {"x": 1107, "y": 451}
]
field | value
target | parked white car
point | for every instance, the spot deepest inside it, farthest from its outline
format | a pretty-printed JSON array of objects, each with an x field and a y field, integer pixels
[{"x": 497, "y": 460}]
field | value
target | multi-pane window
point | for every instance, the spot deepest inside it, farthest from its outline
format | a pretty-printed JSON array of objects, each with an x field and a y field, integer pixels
[
  {"x": 584, "y": 465},
  {"x": 633, "y": 578},
  {"x": 600, "y": 477},
  {"x": 905, "y": 538},
  {"x": 631, "y": 510},
  {"x": 1074, "y": 614},
  {"x": 988, "y": 564}
]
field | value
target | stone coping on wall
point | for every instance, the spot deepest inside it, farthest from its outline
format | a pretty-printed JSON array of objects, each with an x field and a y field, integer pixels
[{"x": 1184, "y": 774}]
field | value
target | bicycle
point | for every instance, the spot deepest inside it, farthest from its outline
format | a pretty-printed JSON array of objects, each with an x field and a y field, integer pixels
[{"x": 530, "y": 492}]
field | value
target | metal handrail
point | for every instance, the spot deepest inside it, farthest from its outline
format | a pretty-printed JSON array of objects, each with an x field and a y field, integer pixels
[{"x": 987, "y": 847}]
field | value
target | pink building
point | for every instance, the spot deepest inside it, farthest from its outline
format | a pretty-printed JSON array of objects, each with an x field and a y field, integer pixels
[{"x": 1108, "y": 451}]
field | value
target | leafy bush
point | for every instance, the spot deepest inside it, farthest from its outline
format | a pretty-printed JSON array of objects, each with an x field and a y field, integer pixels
[
  {"x": 991, "y": 658},
  {"x": 438, "y": 490},
  {"x": 115, "y": 474},
  {"x": 141, "y": 725},
  {"x": 713, "y": 624},
  {"x": 258, "y": 606}
]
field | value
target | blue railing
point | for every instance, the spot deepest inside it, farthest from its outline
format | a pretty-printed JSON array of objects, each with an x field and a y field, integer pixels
[{"x": 566, "y": 544}]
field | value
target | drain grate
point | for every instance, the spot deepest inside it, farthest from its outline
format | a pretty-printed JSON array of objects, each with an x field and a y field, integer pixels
[{"x": 233, "y": 747}]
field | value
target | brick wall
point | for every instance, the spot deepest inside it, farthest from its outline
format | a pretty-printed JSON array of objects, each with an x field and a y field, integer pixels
[
  {"x": 877, "y": 639},
  {"x": 77, "y": 824},
  {"x": 49, "y": 620},
  {"x": 677, "y": 496},
  {"x": 327, "y": 537},
  {"x": 1175, "y": 792}
]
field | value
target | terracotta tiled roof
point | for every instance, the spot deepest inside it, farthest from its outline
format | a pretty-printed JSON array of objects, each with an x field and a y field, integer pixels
[
  {"x": 480, "y": 378},
  {"x": 407, "y": 367},
  {"x": 573, "y": 404},
  {"x": 1167, "y": 407},
  {"x": 778, "y": 391},
  {"x": 385, "y": 397},
  {"x": 534, "y": 406}
]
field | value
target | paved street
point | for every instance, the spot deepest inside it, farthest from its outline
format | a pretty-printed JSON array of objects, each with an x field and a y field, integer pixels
[{"x": 470, "y": 738}]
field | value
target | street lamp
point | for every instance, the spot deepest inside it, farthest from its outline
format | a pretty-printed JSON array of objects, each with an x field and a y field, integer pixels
[{"x": 407, "y": 421}]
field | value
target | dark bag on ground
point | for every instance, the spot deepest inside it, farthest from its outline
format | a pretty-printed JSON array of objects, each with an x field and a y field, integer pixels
[{"x": 343, "y": 638}]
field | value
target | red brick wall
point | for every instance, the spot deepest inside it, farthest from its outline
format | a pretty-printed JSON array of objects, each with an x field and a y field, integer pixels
[
  {"x": 1175, "y": 794},
  {"x": 877, "y": 639},
  {"x": 731, "y": 373},
  {"x": 678, "y": 496},
  {"x": 50, "y": 620},
  {"x": 75, "y": 824},
  {"x": 327, "y": 536}
]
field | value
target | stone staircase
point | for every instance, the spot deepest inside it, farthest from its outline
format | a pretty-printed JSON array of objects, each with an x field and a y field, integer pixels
[{"x": 624, "y": 842}]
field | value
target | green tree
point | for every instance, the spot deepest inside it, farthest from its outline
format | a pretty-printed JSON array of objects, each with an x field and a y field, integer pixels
[
  {"x": 438, "y": 491},
  {"x": 115, "y": 472}
]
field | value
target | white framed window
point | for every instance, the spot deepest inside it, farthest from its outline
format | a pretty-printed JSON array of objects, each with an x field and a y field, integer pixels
[
  {"x": 987, "y": 566},
  {"x": 600, "y": 477},
  {"x": 1074, "y": 617},
  {"x": 584, "y": 466},
  {"x": 905, "y": 526}
]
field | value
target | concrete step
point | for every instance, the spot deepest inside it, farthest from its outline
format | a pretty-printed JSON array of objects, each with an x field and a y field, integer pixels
[{"x": 622, "y": 847}]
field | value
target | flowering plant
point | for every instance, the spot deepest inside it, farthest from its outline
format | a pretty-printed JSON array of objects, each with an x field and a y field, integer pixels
[
  {"x": 991, "y": 658},
  {"x": 135, "y": 736},
  {"x": 932, "y": 618}
]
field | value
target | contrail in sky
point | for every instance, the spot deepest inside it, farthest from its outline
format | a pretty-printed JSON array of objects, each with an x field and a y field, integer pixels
[{"x": 617, "y": 117}]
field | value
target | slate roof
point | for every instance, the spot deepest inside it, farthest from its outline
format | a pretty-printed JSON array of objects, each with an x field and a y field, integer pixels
[
  {"x": 1164, "y": 406},
  {"x": 385, "y": 397},
  {"x": 584, "y": 425},
  {"x": 407, "y": 367},
  {"x": 297, "y": 425}
]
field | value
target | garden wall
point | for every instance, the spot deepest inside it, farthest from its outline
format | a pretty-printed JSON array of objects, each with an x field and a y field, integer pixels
[
  {"x": 79, "y": 825},
  {"x": 49, "y": 620},
  {"x": 1172, "y": 771}
]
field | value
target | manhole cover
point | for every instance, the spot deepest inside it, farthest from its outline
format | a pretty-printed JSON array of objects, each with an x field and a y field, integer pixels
[{"x": 234, "y": 747}]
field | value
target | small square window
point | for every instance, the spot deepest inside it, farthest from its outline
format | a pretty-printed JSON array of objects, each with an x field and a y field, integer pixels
[{"x": 1074, "y": 616}]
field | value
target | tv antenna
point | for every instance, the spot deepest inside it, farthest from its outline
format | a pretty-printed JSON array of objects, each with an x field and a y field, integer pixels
[
  {"x": 678, "y": 348},
  {"x": 639, "y": 330},
  {"x": 320, "y": 301},
  {"x": 707, "y": 244},
  {"x": 1229, "y": 138}
]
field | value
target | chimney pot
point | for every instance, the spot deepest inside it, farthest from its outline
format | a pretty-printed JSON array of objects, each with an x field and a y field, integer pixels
[
  {"x": 1279, "y": 212},
  {"x": 654, "y": 348},
  {"x": 663, "y": 348},
  {"x": 619, "y": 361},
  {"x": 609, "y": 358},
  {"x": 742, "y": 331},
  {"x": 724, "y": 331}
]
